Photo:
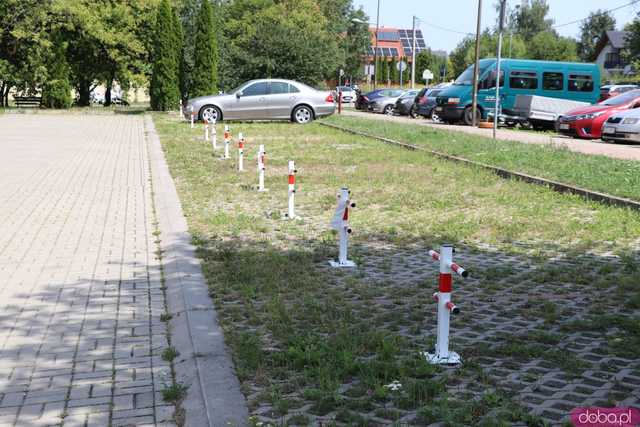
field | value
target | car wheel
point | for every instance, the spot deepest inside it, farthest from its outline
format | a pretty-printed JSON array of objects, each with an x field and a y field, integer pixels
[
  {"x": 413, "y": 112},
  {"x": 302, "y": 114},
  {"x": 388, "y": 110},
  {"x": 468, "y": 116},
  {"x": 435, "y": 118},
  {"x": 210, "y": 113}
]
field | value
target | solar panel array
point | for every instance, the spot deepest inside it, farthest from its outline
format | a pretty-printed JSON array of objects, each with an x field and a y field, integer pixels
[
  {"x": 406, "y": 38},
  {"x": 385, "y": 51}
]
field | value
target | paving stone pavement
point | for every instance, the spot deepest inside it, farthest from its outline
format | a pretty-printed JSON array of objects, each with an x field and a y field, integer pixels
[{"x": 80, "y": 289}]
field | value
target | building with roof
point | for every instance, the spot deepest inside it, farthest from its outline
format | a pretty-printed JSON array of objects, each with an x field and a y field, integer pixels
[
  {"x": 395, "y": 43},
  {"x": 609, "y": 53}
]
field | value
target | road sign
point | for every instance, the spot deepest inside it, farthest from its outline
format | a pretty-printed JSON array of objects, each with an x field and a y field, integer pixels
[
  {"x": 427, "y": 75},
  {"x": 401, "y": 66}
]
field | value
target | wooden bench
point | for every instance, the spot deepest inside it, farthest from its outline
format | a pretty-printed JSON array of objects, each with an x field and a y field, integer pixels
[{"x": 28, "y": 101}]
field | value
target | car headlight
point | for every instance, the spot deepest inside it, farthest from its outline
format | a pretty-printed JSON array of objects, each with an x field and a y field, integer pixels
[
  {"x": 630, "y": 121},
  {"x": 453, "y": 101},
  {"x": 589, "y": 115}
]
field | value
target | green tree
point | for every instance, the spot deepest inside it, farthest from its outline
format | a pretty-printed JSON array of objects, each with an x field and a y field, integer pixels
[
  {"x": 179, "y": 50},
  {"x": 205, "y": 68},
  {"x": 549, "y": 46},
  {"x": 632, "y": 49},
  {"x": 592, "y": 30},
  {"x": 56, "y": 91},
  {"x": 164, "y": 90},
  {"x": 531, "y": 18},
  {"x": 264, "y": 38},
  {"x": 393, "y": 71},
  {"x": 24, "y": 42}
]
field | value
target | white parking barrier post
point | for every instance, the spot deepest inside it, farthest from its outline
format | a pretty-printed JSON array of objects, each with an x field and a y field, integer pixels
[
  {"x": 291, "y": 213},
  {"x": 206, "y": 129},
  {"x": 181, "y": 111},
  {"x": 214, "y": 135},
  {"x": 240, "y": 152},
  {"x": 340, "y": 222},
  {"x": 193, "y": 118},
  {"x": 227, "y": 141},
  {"x": 442, "y": 355},
  {"x": 261, "y": 168}
]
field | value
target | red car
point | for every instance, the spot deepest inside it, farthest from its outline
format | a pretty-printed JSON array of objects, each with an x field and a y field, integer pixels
[{"x": 586, "y": 122}]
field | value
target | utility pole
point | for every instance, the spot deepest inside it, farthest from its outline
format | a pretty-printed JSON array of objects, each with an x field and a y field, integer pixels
[
  {"x": 503, "y": 4},
  {"x": 474, "y": 104},
  {"x": 375, "y": 52},
  {"x": 413, "y": 55}
]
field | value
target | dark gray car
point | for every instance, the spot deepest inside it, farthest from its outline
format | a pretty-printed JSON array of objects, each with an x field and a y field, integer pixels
[{"x": 265, "y": 99}]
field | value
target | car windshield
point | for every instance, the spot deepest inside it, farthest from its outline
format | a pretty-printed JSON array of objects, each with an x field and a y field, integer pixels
[
  {"x": 236, "y": 89},
  {"x": 410, "y": 94},
  {"x": 622, "y": 99},
  {"x": 466, "y": 77}
]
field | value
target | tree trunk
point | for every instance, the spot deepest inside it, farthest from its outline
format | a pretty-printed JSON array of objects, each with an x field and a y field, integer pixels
[
  {"x": 2, "y": 94},
  {"x": 6, "y": 95},
  {"x": 84, "y": 90},
  {"x": 107, "y": 95}
]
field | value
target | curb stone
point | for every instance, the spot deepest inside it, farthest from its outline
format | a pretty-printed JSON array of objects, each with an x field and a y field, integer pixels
[{"x": 213, "y": 396}]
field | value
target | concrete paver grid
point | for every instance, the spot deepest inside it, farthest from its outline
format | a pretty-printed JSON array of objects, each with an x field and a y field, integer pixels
[{"x": 80, "y": 290}]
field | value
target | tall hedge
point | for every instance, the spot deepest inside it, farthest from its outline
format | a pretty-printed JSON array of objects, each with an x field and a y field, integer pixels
[
  {"x": 164, "y": 91},
  {"x": 56, "y": 91},
  {"x": 205, "y": 70}
]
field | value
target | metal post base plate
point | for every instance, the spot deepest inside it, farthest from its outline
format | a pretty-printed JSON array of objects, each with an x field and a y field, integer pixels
[
  {"x": 346, "y": 264},
  {"x": 453, "y": 359}
]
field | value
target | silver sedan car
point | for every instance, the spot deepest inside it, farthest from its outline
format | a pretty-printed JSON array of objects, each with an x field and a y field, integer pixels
[
  {"x": 386, "y": 104},
  {"x": 264, "y": 99}
]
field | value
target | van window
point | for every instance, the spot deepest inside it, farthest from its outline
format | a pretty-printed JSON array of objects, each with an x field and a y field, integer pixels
[
  {"x": 580, "y": 83},
  {"x": 490, "y": 81},
  {"x": 523, "y": 80},
  {"x": 552, "y": 81}
]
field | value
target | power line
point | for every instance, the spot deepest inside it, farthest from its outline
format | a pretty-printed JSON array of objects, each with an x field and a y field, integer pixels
[
  {"x": 606, "y": 11},
  {"x": 449, "y": 29}
]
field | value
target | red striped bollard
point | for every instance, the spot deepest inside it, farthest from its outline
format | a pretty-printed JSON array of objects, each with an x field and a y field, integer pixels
[
  {"x": 291, "y": 214},
  {"x": 442, "y": 355},
  {"x": 340, "y": 222},
  {"x": 227, "y": 141},
  {"x": 262, "y": 160},
  {"x": 240, "y": 152}
]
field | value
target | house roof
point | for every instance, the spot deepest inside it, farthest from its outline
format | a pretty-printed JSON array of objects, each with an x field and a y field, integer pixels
[{"x": 617, "y": 38}]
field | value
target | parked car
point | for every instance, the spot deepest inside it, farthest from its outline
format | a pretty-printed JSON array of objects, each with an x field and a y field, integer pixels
[
  {"x": 609, "y": 91},
  {"x": 386, "y": 103},
  {"x": 362, "y": 102},
  {"x": 265, "y": 99},
  {"x": 623, "y": 126},
  {"x": 348, "y": 93},
  {"x": 405, "y": 104},
  {"x": 587, "y": 122},
  {"x": 564, "y": 80},
  {"x": 426, "y": 101}
]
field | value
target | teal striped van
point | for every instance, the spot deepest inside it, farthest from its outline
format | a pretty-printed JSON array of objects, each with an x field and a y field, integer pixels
[{"x": 566, "y": 80}]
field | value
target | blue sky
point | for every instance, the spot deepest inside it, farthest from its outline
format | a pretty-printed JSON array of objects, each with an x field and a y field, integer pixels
[{"x": 460, "y": 15}]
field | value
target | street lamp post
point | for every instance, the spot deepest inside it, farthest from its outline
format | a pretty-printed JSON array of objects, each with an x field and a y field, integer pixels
[
  {"x": 375, "y": 51},
  {"x": 413, "y": 55},
  {"x": 474, "y": 102}
]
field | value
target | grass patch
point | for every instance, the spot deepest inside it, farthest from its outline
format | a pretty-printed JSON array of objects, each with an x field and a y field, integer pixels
[
  {"x": 600, "y": 173},
  {"x": 332, "y": 341}
]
